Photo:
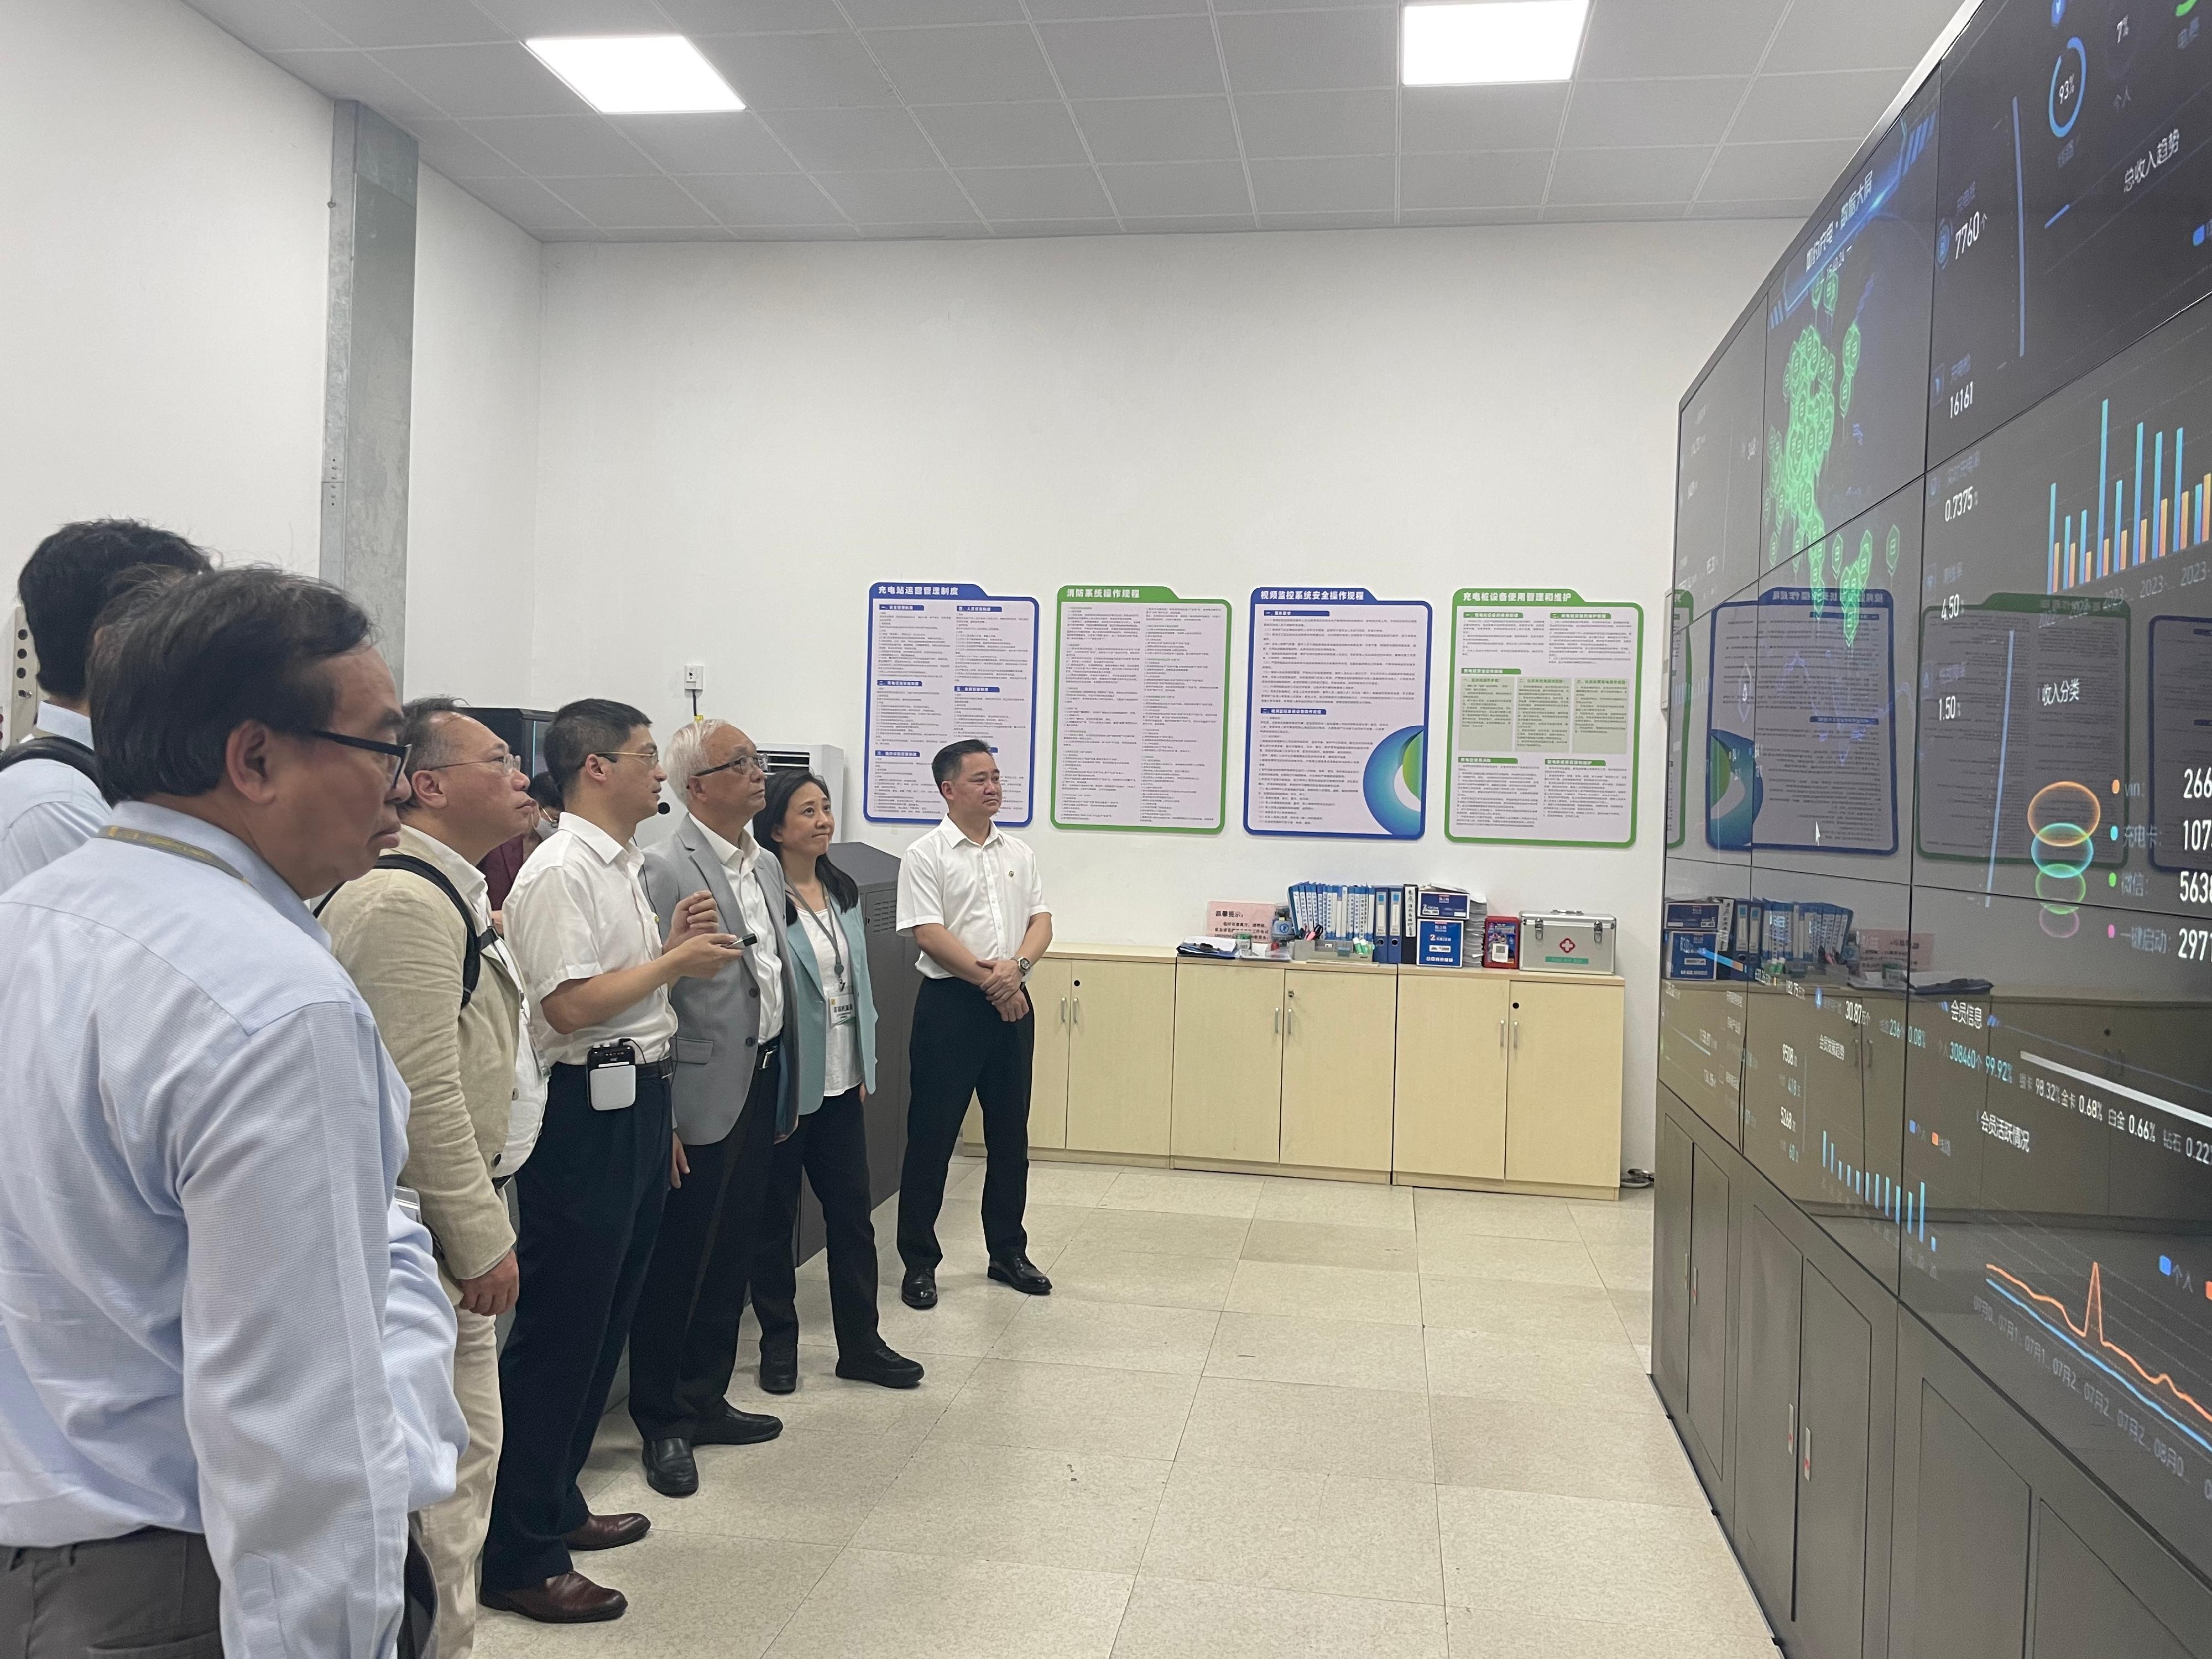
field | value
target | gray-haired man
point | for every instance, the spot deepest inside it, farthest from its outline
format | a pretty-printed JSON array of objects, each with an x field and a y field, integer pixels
[{"x": 729, "y": 1093}]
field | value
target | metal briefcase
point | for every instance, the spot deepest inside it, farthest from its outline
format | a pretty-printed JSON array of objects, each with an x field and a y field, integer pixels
[{"x": 1568, "y": 941}]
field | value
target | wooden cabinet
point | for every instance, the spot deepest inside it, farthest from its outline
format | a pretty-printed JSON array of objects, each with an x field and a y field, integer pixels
[
  {"x": 1339, "y": 1058},
  {"x": 1451, "y": 1076},
  {"x": 1229, "y": 1062},
  {"x": 1052, "y": 985},
  {"x": 1563, "y": 1073},
  {"x": 1121, "y": 1065}
]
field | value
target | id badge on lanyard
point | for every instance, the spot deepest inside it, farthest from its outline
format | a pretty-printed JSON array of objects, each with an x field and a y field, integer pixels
[{"x": 844, "y": 1008}]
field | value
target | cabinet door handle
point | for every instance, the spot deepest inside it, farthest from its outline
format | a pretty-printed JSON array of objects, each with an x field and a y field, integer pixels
[
  {"x": 1792, "y": 1442},
  {"x": 1278, "y": 1022},
  {"x": 1501, "y": 1033},
  {"x": 1693, "y": 1283},
  {"x": 1063, "y": 1011},
  {"x": 1078, "y": 1011},
  {"x": 1516, "y": 1034},
  {"x": 1808, "y": 1451}
]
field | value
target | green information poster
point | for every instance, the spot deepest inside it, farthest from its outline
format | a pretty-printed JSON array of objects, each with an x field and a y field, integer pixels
[
  {"x": 1547, "y": 695},
  {"x": 1140, "y": 737}
]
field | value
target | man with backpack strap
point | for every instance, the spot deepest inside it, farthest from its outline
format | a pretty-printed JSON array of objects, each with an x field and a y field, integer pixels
[
  {"x": 49, "y": 793},
  {"x": 415, "y": 934}
]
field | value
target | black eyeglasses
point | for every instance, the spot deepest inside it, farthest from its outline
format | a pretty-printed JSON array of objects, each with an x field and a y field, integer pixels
[
  {"x": 735, "y": 763},
  {"x": 397, "y": 752}
]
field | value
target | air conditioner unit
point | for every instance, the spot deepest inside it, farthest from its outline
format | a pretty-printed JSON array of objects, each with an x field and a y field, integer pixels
[
  {"x": 826, "y": 760},
  {"x": 21, "y": 713}
]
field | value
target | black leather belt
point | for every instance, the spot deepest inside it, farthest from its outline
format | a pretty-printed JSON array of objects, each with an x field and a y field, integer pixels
[{"x": 664, "y": 1068}]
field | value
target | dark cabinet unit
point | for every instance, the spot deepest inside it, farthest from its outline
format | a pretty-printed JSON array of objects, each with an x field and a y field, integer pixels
[{"x": 1708, "y": 1310}]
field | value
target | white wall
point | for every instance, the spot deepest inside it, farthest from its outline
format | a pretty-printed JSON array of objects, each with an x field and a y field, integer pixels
[
  {"x": 162, "y": 275},
  {"x": 737, "y": 440},
  {"x": 472, "y": 495}
]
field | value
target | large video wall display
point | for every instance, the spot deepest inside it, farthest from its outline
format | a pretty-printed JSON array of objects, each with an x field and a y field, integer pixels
[
  {"x": 1938, "y": 946},
  {"x": 2073, "y": 179},
  {"x": 1720, "y": 466},
  {"x": 1847, "y": 344}
]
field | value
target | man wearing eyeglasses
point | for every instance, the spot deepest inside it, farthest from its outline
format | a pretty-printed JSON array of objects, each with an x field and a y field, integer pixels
[
  {"x": 598, "y": 969},
  {"x": 729, "y": 1089},
  {"x": 415, "y": 934}
]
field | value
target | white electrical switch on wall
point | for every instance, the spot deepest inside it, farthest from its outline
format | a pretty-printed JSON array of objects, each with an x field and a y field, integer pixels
[{"x": 695, "y": 677}]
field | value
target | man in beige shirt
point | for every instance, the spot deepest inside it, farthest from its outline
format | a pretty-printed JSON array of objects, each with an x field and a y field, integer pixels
[{"x": 415, "y": 934}]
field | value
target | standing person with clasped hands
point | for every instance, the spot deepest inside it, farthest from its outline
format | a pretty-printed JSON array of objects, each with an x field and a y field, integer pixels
[
  {"x": 831, "y": 1051},
  {"x": 598, "y": 972},
  {"x": 969, "y": 894}
]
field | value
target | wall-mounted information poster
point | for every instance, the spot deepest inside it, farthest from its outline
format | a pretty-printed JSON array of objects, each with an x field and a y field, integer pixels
[
  {"x": 1337, "y": 714},
  {"x": 945, "y": 661},
  {"x": 1140, "y": 740},
  {"x": 1546, "y": 691}
]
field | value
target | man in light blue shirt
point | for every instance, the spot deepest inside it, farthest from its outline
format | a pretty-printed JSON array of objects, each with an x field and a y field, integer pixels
[
  {"x": 50, "y": 798},
  {"x": 224, "y": 1353}
]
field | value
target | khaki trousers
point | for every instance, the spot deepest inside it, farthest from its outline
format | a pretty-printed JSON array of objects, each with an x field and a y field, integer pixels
[{"x": 453, "y": 1532}]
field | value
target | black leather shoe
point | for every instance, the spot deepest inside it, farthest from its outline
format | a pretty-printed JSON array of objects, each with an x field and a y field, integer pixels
[
  {"x": 1022, "y": 1273},
  {"x": 779, "y": 1370},
  {"x": 918, "y": 1288},
  {"x": 570, "y": 1599},
  {"x": 880, "y": 1366},
  {"x": 736, "y": 1428},
  {"x": 670, "y": 1468},
  {"x": 609, "y": 1532}
]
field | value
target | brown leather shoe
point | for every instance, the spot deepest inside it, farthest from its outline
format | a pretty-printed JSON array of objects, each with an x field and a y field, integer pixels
[
  {"x": 570, "y": 1599},
  {"x": 609, "y": 1532}
]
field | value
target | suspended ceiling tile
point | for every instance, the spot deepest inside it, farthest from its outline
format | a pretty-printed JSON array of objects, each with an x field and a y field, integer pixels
[
  {"x": 1002, "y": 135},
  {"x": 738, "y": 143},
  {"x": 1451, "y": 119},
  {"x": 1158, "y": 129},
  {"x": 1327, "y": 184},
  {"x": 563, "y": 146},
  {"x": 1134, "y": 58},
  {"x": 1668, "y": 173},
  {"x": 869, "y": 199},
  {"x": 485, "y": 80},
  {"x": 1310, "y": 51},
  {"x": 1753, "y": 172},
  {"x": 1487, "y": 178},
  {"x": 1292, "y": 123},
  {"x": 853, "y": 140},
  {"x": 1037, "y": 193},
  {"x": 1615, "y": 113},
  {"x": 1156, "y": 189},
  {"x": 974, "y": 64}
]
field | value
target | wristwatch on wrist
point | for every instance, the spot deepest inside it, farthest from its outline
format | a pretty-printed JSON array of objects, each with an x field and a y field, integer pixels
[{"x": 1026, "y": 964}]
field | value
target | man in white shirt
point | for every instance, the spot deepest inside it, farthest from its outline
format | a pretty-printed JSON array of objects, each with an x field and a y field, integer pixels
[
  {"x": 224, "y": 1354},
  {"x": 415, "y": 934},
  {"x": 730, "y": 1092},
  {"x": 969, "y": 894},
  {"x": 596, "y": 971},
  {"x": 50, "y": 798}
]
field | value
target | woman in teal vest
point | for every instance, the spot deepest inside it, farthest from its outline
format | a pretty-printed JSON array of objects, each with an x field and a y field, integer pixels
[{"x": 830, "y": 1039}]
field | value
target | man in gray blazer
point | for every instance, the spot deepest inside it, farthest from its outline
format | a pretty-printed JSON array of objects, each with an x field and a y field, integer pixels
[{"x": 731, "y": 1101}]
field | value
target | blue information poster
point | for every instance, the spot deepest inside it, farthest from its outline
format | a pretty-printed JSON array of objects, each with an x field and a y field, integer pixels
[
  {"x": 945, "y": 661},
  {"x": 1337, "y": 714}
]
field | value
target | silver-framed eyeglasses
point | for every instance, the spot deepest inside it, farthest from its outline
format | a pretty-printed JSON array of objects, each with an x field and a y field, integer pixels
[{"x": 746, "y": 763}]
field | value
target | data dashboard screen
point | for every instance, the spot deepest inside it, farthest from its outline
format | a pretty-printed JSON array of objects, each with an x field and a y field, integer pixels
[
  {"x": 2065, "y": 650},
  {"x": 2055, "y": 1200},
  {"x": 1719, "y": 465},
  {"x": 2075, "y": 192},
  {"x": 1847, "y": 344}
]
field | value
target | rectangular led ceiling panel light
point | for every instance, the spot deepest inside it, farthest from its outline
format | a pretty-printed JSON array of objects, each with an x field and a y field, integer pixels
[
  {"x": 1492, "y": 42},
  {"x": 637, "y": 74}
]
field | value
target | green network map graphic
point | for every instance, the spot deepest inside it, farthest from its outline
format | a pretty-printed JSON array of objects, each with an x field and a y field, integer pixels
[
  {"x": 1817, "y": 384},
  {"x": 1850, "y": 579}
]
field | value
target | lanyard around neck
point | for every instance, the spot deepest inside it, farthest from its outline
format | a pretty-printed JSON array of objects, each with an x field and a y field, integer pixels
[
  {"x": 171, "y": 845},
  {"x": 826, "y": 919}
]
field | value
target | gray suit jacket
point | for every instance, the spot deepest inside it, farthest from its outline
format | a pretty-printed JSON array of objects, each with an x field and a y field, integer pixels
[{"x": 717, "y": 1020}]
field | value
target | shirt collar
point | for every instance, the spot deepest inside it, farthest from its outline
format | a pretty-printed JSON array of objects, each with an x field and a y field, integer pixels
[
  {"x": 257, "y": 873},
  {"x": 734, "y": 856},
  {"x": 608, "y": 849},
  {"x": 59, "y": 722},
  {"x": 467, "y": 879},
  {"x": 959, "y": 837}
]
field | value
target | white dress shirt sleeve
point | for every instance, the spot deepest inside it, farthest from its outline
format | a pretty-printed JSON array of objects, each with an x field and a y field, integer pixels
[
  {"x": 550, "y": 931},
  {"x": 44, "y": 830},
  {"x": 921, "y": 887},
  {"x": 418, "y": 1363},
  {"x": 1036, "y": 904},
  {"x": 296, "y": 1279}
]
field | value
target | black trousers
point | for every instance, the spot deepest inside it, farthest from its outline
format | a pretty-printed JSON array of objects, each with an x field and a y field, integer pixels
[
  {"x": 150, "y": 1591},
  {"x": 961, "y": 1048},
  {"x": 831, "y": 1146},
  {"x": 592, "y": 1195},
  {"x": 683, "y": 1339}
]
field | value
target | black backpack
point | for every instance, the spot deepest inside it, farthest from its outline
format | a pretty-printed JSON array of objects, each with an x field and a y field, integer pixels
[
  {"x": 472, "y": 960},
  {"x": 63, "y": 752}
]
